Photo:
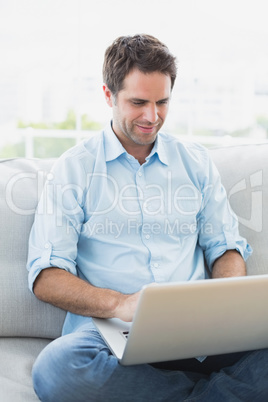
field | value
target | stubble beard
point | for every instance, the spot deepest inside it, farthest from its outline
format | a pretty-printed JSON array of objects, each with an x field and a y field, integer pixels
[{"x": 132, "y": 132}]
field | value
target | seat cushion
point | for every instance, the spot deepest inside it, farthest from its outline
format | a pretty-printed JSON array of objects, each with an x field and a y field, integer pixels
[{"x": 17, "y": 356}]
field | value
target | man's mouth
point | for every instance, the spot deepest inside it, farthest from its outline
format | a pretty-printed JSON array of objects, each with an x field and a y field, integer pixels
[{"x": 147, "y": 129}]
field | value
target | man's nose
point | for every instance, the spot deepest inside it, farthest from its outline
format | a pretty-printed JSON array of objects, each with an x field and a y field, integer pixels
[{"x": 151, "y": 113}]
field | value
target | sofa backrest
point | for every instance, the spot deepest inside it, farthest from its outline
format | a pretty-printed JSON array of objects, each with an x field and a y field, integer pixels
[
  {"x": 21, "y": 314},
  {"x": 244, "y": 171}
]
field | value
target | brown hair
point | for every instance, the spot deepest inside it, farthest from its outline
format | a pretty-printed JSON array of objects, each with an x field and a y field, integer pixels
[{"x": 143, "y": 52}]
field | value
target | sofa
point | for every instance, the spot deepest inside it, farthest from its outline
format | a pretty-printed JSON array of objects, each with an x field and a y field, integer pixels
[{"x": 27, "y": 325}]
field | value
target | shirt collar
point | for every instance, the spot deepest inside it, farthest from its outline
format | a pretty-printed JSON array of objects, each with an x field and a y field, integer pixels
[
  {"x": 113, "y": 147},
  {"x": 159, "y": 149}
]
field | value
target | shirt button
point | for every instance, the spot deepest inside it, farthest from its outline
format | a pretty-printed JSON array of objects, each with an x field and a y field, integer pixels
[
  {"x": 46, "y": 246},
  {"x": 147, "y": 237},
  {"x": 50, "y": 176},
  {"x": 156, "y": 265},
  {"x": 140, "y": 174}
]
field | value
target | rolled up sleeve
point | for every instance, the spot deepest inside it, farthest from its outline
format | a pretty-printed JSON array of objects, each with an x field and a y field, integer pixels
[
  {"x": 218, "y": 224},
  {"x": 58, "y": 220}
]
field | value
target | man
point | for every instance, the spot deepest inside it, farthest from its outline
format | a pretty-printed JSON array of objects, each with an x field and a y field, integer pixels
[{"x": 126, "y": 208}]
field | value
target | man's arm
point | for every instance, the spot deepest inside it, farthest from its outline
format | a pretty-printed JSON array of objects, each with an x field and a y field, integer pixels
[
  {"x": 67, "y": 291},
  {"x": 229, "y": 264}
]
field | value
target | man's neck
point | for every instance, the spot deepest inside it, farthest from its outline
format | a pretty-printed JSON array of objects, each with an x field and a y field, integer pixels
[{"x": 140, "y": 152}]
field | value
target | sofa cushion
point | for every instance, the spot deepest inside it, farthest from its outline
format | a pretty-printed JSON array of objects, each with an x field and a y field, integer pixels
[
  {"x": 21, "y": 182},
  {"x": 244, "y": 172},
  {"x": 17, "y": 356}
]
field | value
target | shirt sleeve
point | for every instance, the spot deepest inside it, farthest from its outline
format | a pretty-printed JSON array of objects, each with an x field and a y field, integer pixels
[
  {"x": 58, "y": 220},
  {"x": 217, "y": 222}
]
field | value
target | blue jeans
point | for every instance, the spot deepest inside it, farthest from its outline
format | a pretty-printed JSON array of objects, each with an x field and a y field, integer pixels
[{"x": 79, "y": 367}]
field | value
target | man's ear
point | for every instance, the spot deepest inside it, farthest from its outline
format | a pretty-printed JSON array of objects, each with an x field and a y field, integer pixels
[{"x": 108, "y": 95}]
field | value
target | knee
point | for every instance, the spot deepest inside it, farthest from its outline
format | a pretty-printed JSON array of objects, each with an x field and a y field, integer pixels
[
  {"x": 49, "y": 372},
  {"x": 42, "y": 377},
  {"x": 72, "y": 368}
]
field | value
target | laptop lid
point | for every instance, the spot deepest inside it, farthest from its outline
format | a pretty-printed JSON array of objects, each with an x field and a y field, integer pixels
[{"x": 191, "y": 319}]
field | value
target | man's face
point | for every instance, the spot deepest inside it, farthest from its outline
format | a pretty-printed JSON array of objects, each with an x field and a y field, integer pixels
[{"x": 140, "y": 108}]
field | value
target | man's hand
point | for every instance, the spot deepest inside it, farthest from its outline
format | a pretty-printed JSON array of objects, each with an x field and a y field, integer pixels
[{"x": 127, "y": 306}]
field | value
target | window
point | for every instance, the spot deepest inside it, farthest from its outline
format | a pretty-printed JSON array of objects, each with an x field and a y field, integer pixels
[{"x": 51, "y": 61}]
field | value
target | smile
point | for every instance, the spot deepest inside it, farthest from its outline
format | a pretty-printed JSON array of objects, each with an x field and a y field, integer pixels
[{"x": 147, "y": 130}]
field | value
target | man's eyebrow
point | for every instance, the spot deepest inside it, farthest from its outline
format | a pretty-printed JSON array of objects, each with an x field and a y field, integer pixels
[
  {"x": 164, "y": 99},
  {"x": 138, "y": 100},
  {"x": 146, "y": 100}
]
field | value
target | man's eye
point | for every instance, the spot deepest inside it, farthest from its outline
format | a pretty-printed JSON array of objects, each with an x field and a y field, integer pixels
[
  {"x": 163, "y": 102},
  {"x": 137, "y": 103}
]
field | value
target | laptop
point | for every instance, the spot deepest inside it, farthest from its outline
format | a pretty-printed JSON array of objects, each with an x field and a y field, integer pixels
[{"x": 191, "y": 319}]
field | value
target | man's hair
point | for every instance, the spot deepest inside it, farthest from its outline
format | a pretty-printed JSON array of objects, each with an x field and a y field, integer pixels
[{"x": 143, "y": 52}]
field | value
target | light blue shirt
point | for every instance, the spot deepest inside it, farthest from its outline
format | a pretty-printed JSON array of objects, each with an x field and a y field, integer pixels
[{"x": 121, "y": 225}]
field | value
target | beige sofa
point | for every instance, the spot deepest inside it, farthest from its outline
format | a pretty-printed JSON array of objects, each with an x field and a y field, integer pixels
[{"x": 28, "y": 325}]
